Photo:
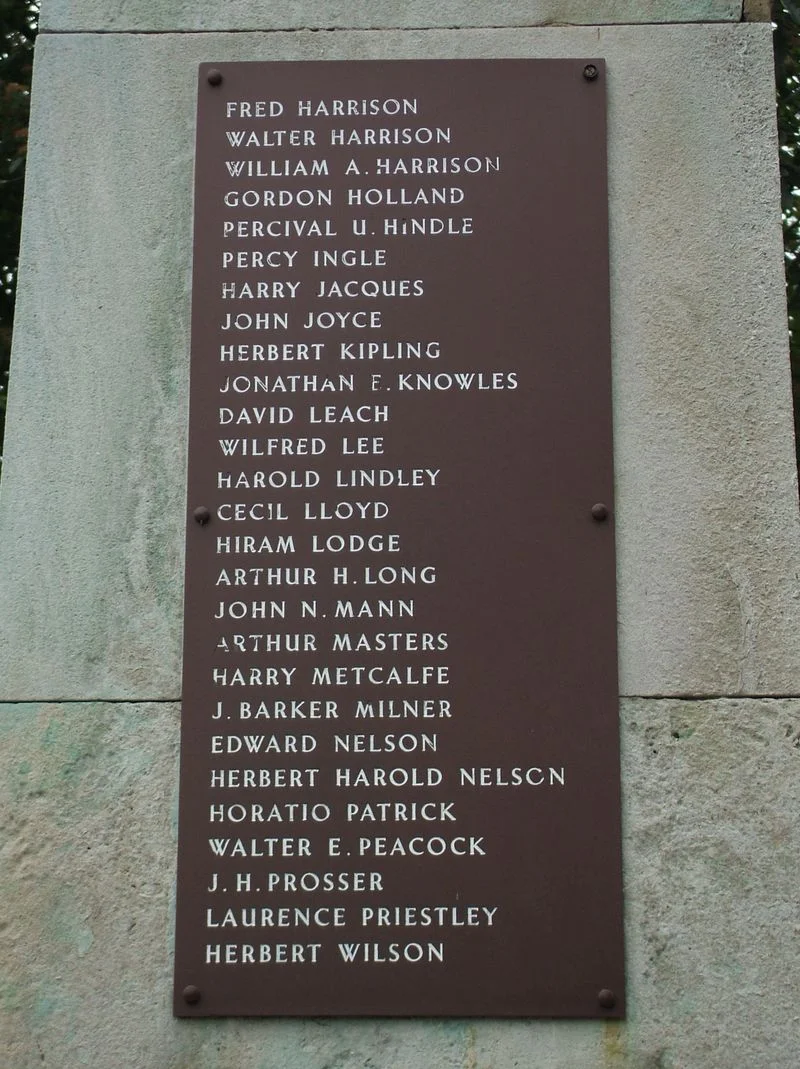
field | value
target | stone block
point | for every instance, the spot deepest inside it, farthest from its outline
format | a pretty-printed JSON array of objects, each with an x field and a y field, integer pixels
[
  {"x": 205, "y": 15},
  {"x": 92, "y": 503},
  {"x": 711, "y": 873},
  {"x": 87, "y": 839},
  {"x": 88, "y": 798}
]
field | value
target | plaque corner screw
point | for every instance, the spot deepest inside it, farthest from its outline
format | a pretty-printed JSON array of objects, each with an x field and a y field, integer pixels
[
  {"x": 606, "y": 998},
  {"x": 191, "y": 994},
  {"x": 202, "y": 515},
  {"x": 214, "y": 76},
  {"x": 599, "y": 512},
  {"x": 590, "y": 72}
]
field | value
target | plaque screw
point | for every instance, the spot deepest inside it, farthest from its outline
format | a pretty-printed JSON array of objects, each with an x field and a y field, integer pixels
[
  {"x": 202, "y": 515},
  {"x": 590, "y": 72},
  {"x": 191, "y": 994},
  {"x": 607, "y": 999},
  {"x": 215, "y": 77},
  {"x": 599, "y": 512}
]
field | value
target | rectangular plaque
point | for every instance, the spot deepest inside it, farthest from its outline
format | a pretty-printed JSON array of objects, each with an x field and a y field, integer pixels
[{"x": 399, "y": 752}]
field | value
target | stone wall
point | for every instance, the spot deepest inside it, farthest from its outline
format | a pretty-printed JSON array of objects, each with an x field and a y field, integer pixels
[{"x": 92, "y": 515}]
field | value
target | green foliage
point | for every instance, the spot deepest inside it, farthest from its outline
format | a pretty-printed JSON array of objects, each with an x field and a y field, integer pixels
[
  {"x": 787, "y": 76},
  {"x": 17, "y": 32}
]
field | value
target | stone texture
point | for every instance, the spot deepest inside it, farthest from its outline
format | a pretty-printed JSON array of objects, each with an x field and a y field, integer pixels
[
  {"x": 91, "y": 510},
  {"x": 706, "y": 476},
  {"x": 712, "y": 865},
  {"x": 187, "y": 15},
  {"x": 711, "y": 873},
  {"x": 93, "y": 482},
  {"x": 87, "y": 862},
  {"x": 757, "y": 10}
]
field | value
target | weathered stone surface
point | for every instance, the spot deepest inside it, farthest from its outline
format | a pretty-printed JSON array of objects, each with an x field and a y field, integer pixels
[
  {"x": 371, "y": 14},
  {"x": 706, "y": 476},
  {"x": 712, "y": 865},
  {"x": 91, "y": 509},
  {"x": 757, "y": 10},
  {"x": 87, "y": 834},
  {"x": 712, "y": 851}
]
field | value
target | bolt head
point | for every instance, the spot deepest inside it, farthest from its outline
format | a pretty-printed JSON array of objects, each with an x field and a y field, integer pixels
[
  {"x": 202, "y": 515},
  {"x": 191, "y": 994},
  {"x": 606, "y": 998},
  {"x": 599, "y": 512},
  {"x": 590, "y": 72},
  {"x": 214, "y": 76}
]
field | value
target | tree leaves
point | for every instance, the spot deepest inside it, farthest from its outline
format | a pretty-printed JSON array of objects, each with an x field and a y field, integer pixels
[
  {"x": 787, "y": 77},
  {"x": 17, "y": 32}
]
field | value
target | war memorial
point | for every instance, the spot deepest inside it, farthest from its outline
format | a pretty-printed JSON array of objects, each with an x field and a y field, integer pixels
[{"x": 399, "y": 542}]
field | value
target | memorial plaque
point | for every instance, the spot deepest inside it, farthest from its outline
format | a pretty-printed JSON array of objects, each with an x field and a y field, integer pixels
[{"x": 399, "y": 759}]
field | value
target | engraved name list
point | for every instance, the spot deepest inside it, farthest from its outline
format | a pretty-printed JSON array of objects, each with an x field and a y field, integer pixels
[{"x": 399, "y": 761}]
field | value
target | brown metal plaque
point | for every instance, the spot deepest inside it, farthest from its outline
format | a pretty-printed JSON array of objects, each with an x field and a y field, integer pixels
[{"x": 399, "y": 760}]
